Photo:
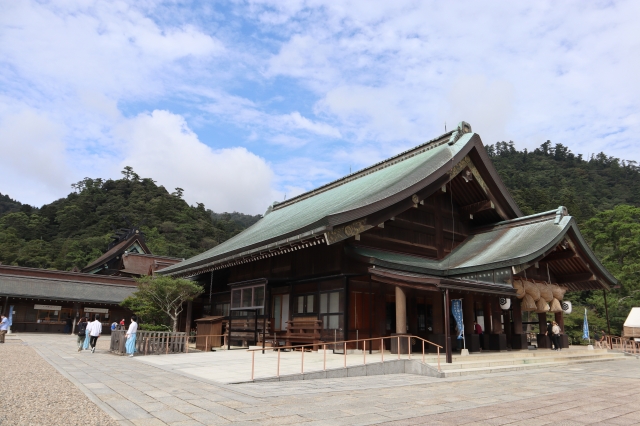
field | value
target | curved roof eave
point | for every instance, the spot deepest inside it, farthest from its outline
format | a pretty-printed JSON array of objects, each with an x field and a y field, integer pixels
[
  {"x": 439, "y": 270},
  {"x": 470, "y": 142}
]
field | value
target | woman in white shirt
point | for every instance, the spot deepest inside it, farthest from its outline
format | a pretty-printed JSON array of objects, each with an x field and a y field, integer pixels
[{"x": 131, "y": 336}]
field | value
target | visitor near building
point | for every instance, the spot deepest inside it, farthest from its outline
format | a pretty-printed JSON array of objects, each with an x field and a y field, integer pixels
[
  {"x": 131, "y": 336},
  {"x": 122, "y": 324},
  {"x": 549, "y": 333},
  {"x": 555, "y": 329},
  {"x": 4, "y": 327},
  {"x": 95, "y": 330},
  {"x": 82, "y": 332}
]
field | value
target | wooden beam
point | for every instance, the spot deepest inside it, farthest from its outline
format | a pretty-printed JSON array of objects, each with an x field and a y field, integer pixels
[
  {"x": 575, "y": 278},
  {"x": 478, "y": 207},
  {"x": 559, "y": 255}
]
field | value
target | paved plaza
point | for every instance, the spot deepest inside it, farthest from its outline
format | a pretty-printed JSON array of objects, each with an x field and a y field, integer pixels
[{"x": 136, "y": 392}]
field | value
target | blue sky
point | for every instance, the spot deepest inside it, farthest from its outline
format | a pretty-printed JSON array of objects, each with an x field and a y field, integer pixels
[{"x": 242, "y": 103}]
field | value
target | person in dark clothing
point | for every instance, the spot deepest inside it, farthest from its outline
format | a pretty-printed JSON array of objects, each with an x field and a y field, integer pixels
[
  {"x": 81, "y": 329},
  {"x": 549, "y": 333},
  {"x": 556, "y": 335},
  {"x": 68, "y": 324}
]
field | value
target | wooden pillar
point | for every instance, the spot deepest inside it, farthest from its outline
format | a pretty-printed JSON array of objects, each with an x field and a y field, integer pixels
[
  {"x": 401, "y": 311},
  {"x": 496, "y": 314},
  {"x": 438, "y": 315},
  {"x": 468, "y": 313},
  {"x": 517, "y": 315},
  {"x": 187, "y": 322},
  {"x": 488, "y": 315},
  {"x": 543, "y": 341},
  {"x": 447, "y": 327},
  {"x": 560, "y": 320}
]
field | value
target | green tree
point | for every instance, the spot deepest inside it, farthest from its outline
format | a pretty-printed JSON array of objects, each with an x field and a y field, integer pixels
[
  {"x": 615, "y": 238},
  {"x": 164, "y": 295}
]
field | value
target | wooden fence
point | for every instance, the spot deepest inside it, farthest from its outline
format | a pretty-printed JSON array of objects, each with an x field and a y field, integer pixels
[{"x": 150, "y": 342}]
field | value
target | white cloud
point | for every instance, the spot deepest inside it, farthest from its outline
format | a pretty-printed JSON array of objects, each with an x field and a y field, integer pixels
[
  {"x": 311, "y": 87},
  {"x": 161, "y": 145},
  {"x": 33, "y": 162}
]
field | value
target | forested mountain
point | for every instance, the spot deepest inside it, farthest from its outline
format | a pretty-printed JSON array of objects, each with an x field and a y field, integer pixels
[
  {"x": 74, "y": 230},
  {"x": 7, "y": 205},
  {"x": 552, "y": 176}
]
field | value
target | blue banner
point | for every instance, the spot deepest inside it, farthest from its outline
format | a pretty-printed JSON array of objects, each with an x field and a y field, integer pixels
[
  {"x": 585, "y": 326},
  {"x": 10, "y": 317},
  {"x": 456, "y": 310}
]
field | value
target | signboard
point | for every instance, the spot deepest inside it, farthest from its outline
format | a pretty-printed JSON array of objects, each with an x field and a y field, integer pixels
[
  {"x": 97, "y": 310},
  {"x": 47, "y": 308}
]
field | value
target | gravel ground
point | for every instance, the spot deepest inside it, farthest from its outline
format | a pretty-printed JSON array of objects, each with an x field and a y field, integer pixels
[{"x": 34, "y": 393}]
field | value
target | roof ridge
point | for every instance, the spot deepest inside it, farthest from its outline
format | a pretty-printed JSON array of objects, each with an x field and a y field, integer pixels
[{"x": 443, "y": 138}]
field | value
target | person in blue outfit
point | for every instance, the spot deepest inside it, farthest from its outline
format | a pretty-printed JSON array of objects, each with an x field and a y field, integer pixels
[
  {"x": 4, "y": 327},
  {"x": 81, "y": 328},
  {"x": 131, "y": 336}
]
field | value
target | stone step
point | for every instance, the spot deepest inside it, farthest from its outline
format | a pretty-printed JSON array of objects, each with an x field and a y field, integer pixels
[
  {"x": 497, "y": 363},
  {"x": 527, "y": 366},
  {"x": 510, "y": 355}
]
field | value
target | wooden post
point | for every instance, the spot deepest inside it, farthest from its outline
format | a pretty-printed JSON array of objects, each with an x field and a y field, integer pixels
[
  {"x": 517, "y": 315},
  {"x": 345, "y": 354},
  {"x": 187, "y": 325},
  {"x": 606, "y": 312},
  {"x": 447, "y": 327},
  {"x": 364, "y": 352},
  {"x": 324, "y": 360}
]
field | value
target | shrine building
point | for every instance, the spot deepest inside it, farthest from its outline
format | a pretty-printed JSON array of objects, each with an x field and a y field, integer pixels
[{"x": 384, "y": 251}]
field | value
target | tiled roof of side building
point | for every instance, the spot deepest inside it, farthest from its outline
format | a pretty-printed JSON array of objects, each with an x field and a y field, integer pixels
[
  {"x": 64, "y": 289},
  {"x": 506, "y": 244},
  {"x": 313, "y": 212}
]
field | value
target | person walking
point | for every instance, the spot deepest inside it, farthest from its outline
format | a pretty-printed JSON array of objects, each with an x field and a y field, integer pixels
[
  {"x": 555, "y": 329},
  {"x": 95, "y": 330},
  {"x": 82, "y": 332},
  {"x": 87, "y": 336},
  {"x": 549, "y": 333},
  {"x": 477, "y": 329},
  {"x": 4, "y": 327},
  {"x": 131, "y": 336}
]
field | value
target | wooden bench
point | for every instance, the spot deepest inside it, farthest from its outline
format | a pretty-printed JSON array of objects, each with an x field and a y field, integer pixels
[
  {"x": 244, "y": 330},
  {"x": 303, "y": 330}
]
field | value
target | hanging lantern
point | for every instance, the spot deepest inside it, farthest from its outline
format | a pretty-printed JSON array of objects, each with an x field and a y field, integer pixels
[
  {"x": 505, "y": 303},
  {"x": 566, "y": 306}
]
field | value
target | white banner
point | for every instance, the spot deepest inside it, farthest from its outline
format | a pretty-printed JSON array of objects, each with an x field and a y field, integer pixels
[
  {"x": 97, "y": 310},
  {"x": 47, "y": 308}
]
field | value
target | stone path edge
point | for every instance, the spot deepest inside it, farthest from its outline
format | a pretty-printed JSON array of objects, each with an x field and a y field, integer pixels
[
  {"x": 403, "y": 366},
  {"x": 103, "y": 406}
]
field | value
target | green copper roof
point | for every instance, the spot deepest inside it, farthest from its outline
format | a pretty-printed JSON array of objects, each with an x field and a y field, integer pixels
[
  {"x": 310, "y": 213},
  {"x": 509, "y": 243}
]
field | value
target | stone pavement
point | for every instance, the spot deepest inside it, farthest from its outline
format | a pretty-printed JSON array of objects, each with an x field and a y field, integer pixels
[{"x": 139, "y": 393}]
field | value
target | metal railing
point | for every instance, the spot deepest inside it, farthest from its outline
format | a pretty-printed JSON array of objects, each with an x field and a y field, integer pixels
[{"x": 344, "y": 349}]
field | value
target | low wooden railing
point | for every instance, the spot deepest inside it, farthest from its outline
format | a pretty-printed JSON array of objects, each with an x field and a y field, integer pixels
[
  {"x": 150, "y": 342},
  {"x": 618, "y": 343},
  {"x": 157, "y": 342},
  {"x": 344, "y": 348}
]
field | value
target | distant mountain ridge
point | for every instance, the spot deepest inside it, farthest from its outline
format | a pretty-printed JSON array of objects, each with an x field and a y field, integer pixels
[{"x": 74, "y": 230}]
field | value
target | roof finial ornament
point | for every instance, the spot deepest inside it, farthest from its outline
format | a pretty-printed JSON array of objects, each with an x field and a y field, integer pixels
[
  {"x": 463, "y": 127},
  {"x": 560, "y": 213}
]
